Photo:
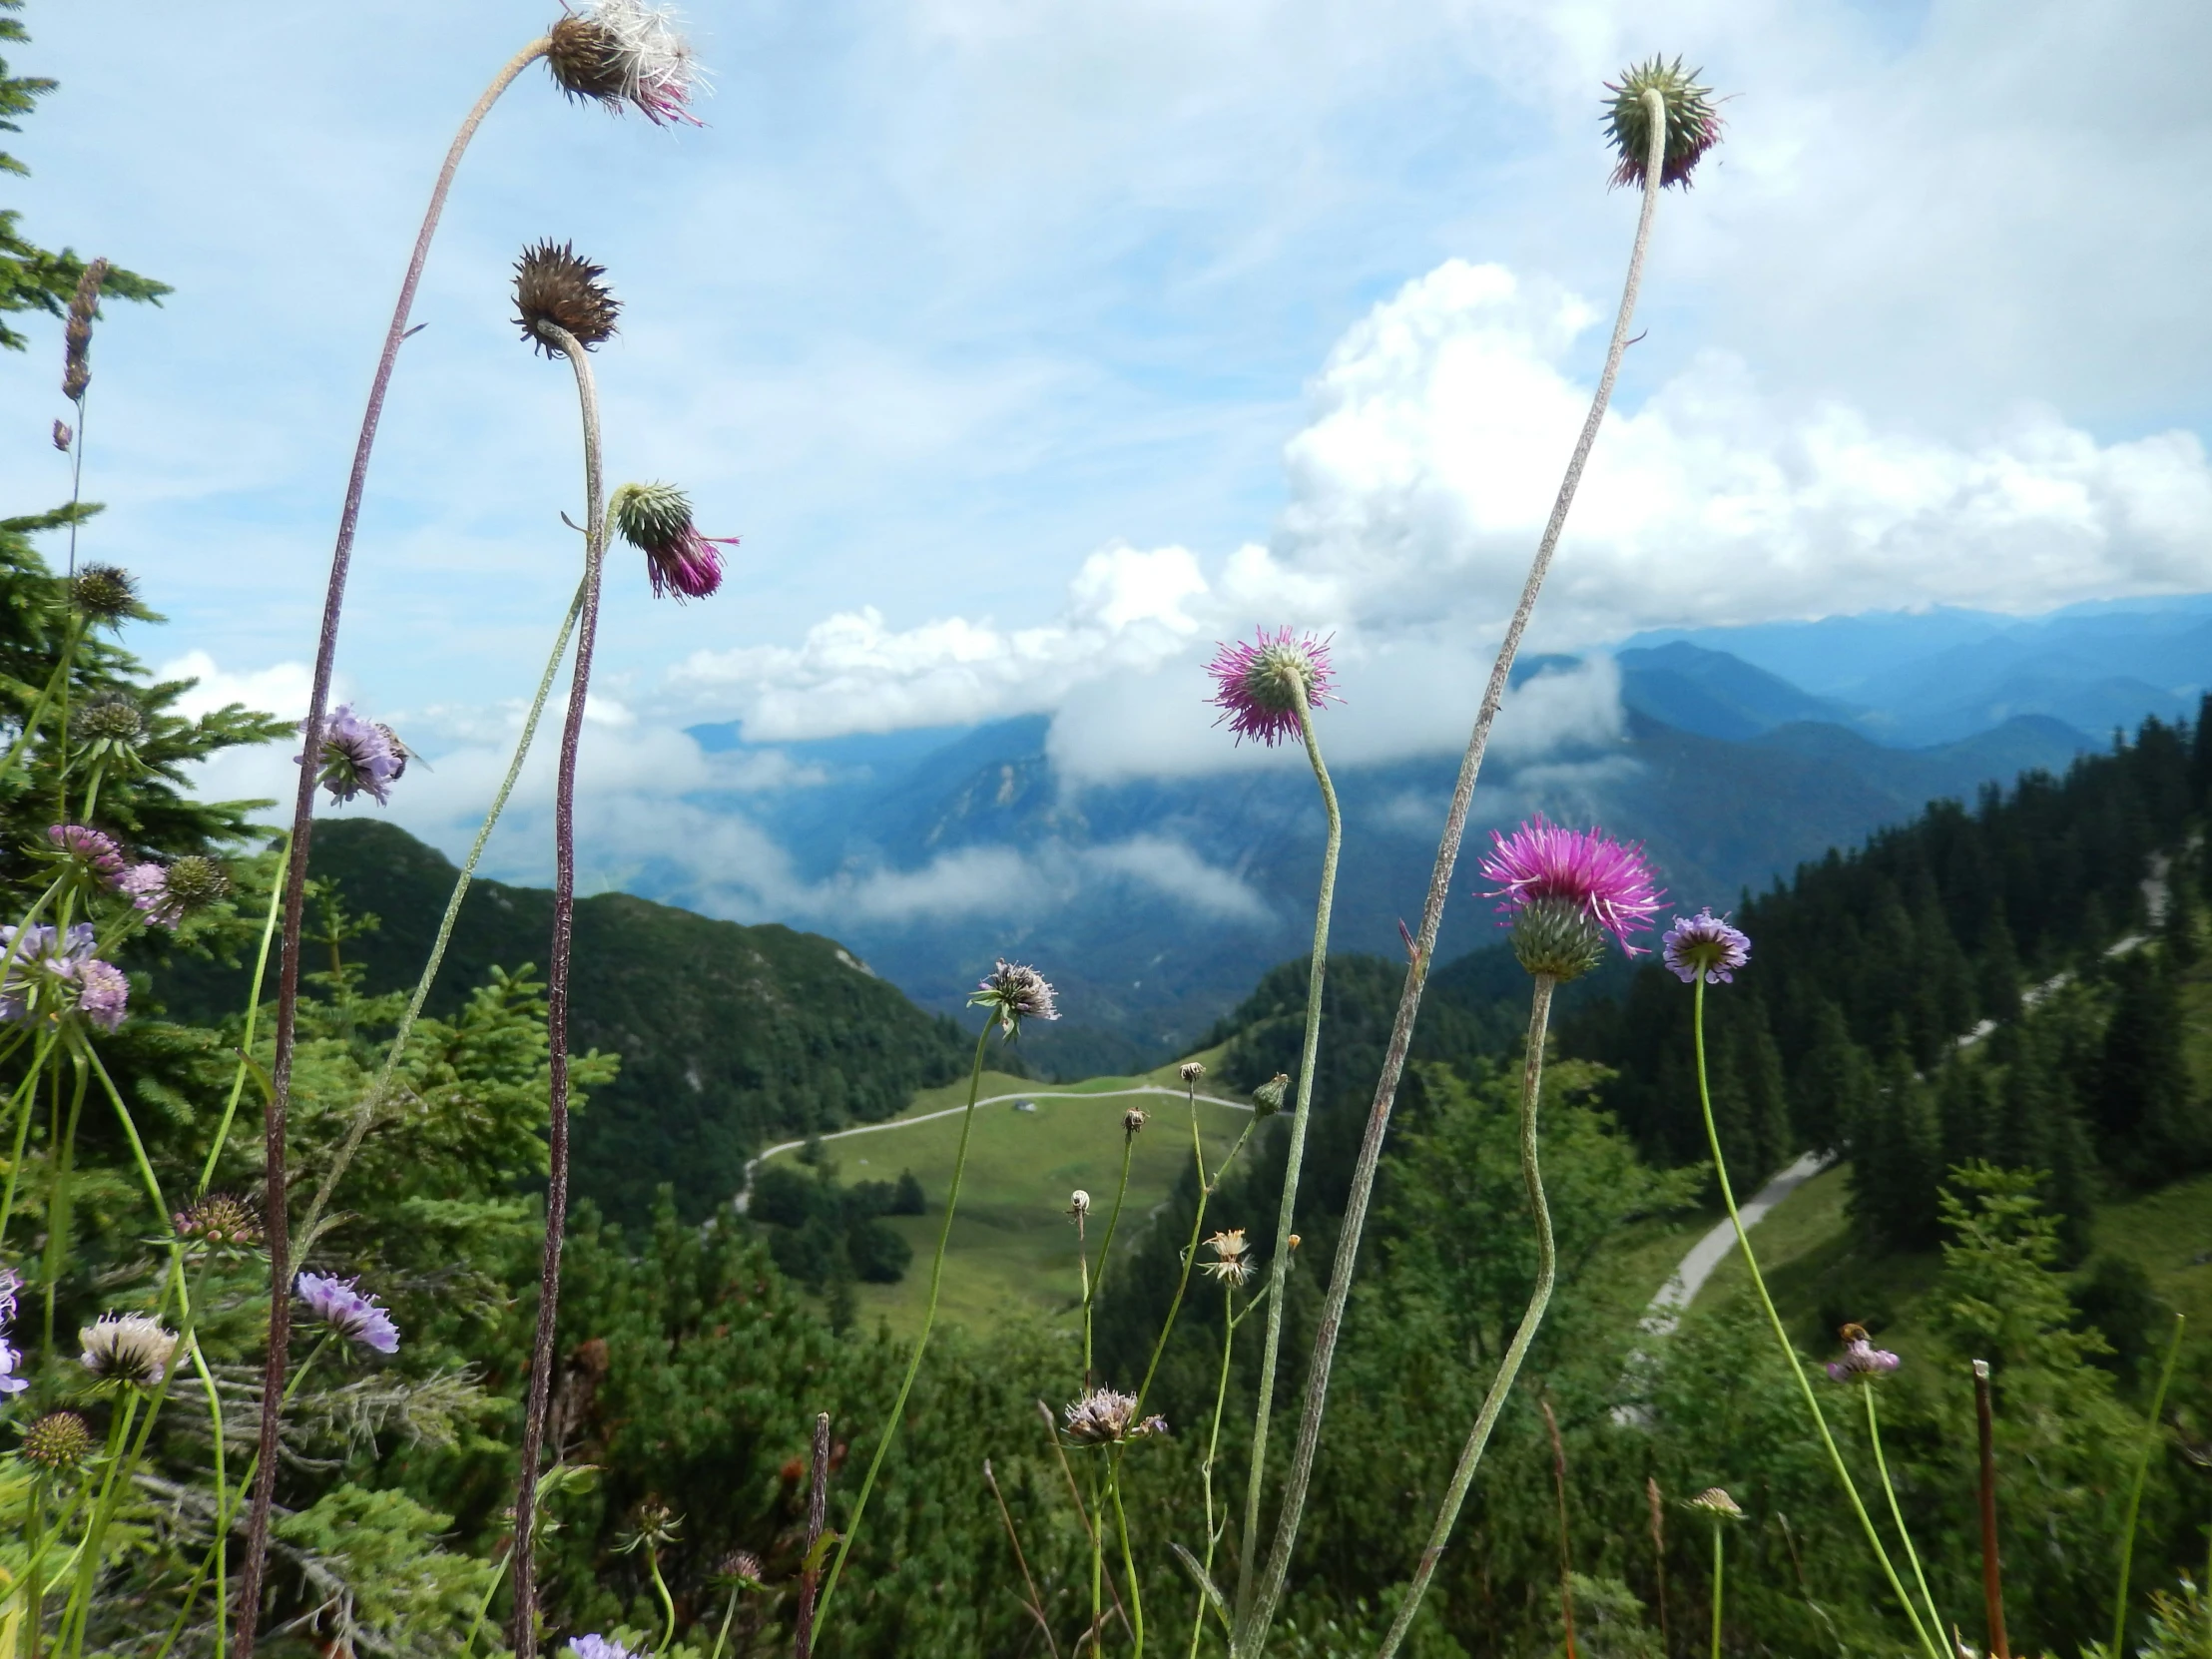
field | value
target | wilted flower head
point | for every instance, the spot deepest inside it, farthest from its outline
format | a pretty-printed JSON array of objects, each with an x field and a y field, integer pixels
[
  {"x": 1257, "y": 686},
  {"x": 220, "y": 1218},
  {"x": 1014, "y": 994},
  {"x": 1079, "y": 1204},
  {"x": 352, "y": 1313},
  {"x": 354, "y": 757},
  {"x": 556, "y": 287},
  {"x": 105, "y": 593},
  {"x": 1705, "y": 944},
  {"x": 89, "y": 850},
  {"x": 56, "y": 1442},
  {"x": 1232, "y": 1263},
  {"x": 1103, "y": 1416},
  {"x": 1191, "y": 1070},
  {"x": 598, "y": 1647},
  {"x": 127, "y": 1350},
  {"x": 1562, "y": 889},
  {"x": 1861, "y": 1359},
  {"x": 1267, "y": 1099},
  {"x": 655, "y": 1525},
  {"x": 657, "y": 520},
  {"x": 617, "y": 52},
  {"x": 1714, "y": 1501},
  {"x": 1132, "y": 1120},
  {"x": 1692, "y": 125}
]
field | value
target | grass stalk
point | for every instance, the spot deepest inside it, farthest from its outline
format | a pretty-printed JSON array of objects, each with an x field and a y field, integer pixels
[{"x": 2152, "y": 1439}]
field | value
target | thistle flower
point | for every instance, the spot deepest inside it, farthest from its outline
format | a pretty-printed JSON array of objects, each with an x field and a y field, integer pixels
[
  {"x": 355, "y": 758},
  {"x": 220, "y": 1218},
  {"x": 1079, "y": 1204},
  {"x": 1714, "y": 1501},
  {"x": 1132, "y": 1121},
  {"x": 1267, "y": 1099},
  {"x": 599, "y": 1647},
  {"x": 1562, "y": 889},
  {"x": 1191, "y": 1070},
  {"x": 129, "y": 1350},
  {"x": 58, "y": 1441},
  {"x": 106, "y": 593},
  {"x": 558, "y": 288},
  {"x": 1705, "y": 943},
  {"x": 657, "y": 520},
  {"x": 350, "y": 1311},
  {"x": 1861, "y": 1359},
  {"x": 1103, "y": 1416},
  {"x": 91, "y": 852},
  {"x": 1014, "y": 994},
  {"x": 1692, "y": 125},
  {"x": 109, "y": 728},
  {"x": 617, "y": 52},
  {"x": 1233, "y": 1262},
  {"x": 77, "y": 331},
  {"x": 1257, "y": 686}
]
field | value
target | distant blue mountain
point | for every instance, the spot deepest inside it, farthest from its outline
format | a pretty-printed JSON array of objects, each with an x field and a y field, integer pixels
[{"x": 1715, "y": 693}]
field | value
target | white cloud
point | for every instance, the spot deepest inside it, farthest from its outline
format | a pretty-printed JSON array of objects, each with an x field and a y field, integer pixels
[
  {"x": 1175, "y": 871},
  {"x": 280, "y": 689}
]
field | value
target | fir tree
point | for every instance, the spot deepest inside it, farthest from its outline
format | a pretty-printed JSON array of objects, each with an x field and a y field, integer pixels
[{"x": 2147, "y": 1112}]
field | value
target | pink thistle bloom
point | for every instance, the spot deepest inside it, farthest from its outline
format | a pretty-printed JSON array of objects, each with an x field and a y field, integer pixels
[
  {"x": 1609, "y": 881},
  {"x": 657, "y": 520},
  {"x": 1257, "y": 686}
]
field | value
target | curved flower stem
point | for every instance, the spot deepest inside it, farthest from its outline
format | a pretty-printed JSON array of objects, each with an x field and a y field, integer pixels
[
  {"x": 1092, "y": 1281},
  {"x": 1502, "y": 1386},
  {"x": 1896, "y": 1514},
  {"x": 668, "y": 1602},
  {"x": 366, "y": 1113},
  {"x": 1189, "y": 1252},
  {"x": 295, "y": 871},
  {"x": 1929, "y": 1643},
  {"x": 525, "y": 1611},
  {"x": 2135, "y": 1495},
  {"x": 1718, "y": 1562},
  {"x": 245, "y": 1044},
  {"x": 921, "y": 1342},
  {"x": 1448, "y": 857},
  {"x": 1279, "y": 1270}
]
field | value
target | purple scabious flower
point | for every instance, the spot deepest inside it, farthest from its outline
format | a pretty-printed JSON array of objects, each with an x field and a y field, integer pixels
[
  {"x": 1705, "y": 944},
  {"x": 350, "y": 1312},
  {"x": 354, "y": 757},
  {"x": 147, "y": 886},
  {"x": 1561, "y": 891},
  {"x": 657, "y": 520},
  {"x": 10, "y": 1358},
  {"x": 1256, "y": 687},
  {"x": 49, "y": 974},
  {"x": 1862, "y": 1361},
  {"x": 103, "y": 993},
  {"x": 1013, "y": 993},
  {"x": 90, "y": 851},
  {"x": 598, "y": 1647}
]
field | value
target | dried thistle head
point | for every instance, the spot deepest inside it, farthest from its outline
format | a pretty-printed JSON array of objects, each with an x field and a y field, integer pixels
[
  {"x": 557, "y": 287},
  {"x": 1715, "y": 1502},
  {"x": 105, "y": 593},
  {"x": 1132, "y": 1121},
  {"x": 617, "y": 52},
  {"x": 77, "y": 331},
  {"x": 1233, "y": 1262},
  {"x": 1079, "y": 1204},
  {"x": 1191, "y": 1070},
  {"x": 1693, "y": 123},
  {"x": 1104, "y": 1416}
]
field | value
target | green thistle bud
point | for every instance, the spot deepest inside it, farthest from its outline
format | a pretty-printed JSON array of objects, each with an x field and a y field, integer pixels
[
  {"x": 58, "y": 1442},
  {"x": 1556, "y": 937},
  {"x": 1267, "y": 1099},
  {"x": 1693, "y": 123},
  {"x": 110, "y": 717}
]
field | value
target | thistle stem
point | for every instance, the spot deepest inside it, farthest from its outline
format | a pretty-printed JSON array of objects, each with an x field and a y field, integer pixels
[
  {"x": 1896, "y": 1514},
  {"x": 1278, "y": 1269},
  {"x": 1547, "y": 1261},
  {"x": 276, "y": 1178},
  {"x": 1439, "y": 881},
  {"x": 2151, "y": 1442},
  {"x": 557, "y": 998},
  {"x": 1927, "y": 1642},
  {"x": 921, "y": 1342}
]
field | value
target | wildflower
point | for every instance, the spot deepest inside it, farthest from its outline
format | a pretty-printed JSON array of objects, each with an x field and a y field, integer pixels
[
  {"x": 10, "y": 1358},
  {"x": 1132, "y": 1121},
  {"x": 1104, "y": 1416},
  {"x": 1014, "y": 994},
  {"x": 109, "y": 728},
  {"x": 1714, "y": 1501},
  {"x": 169, "y": 894},
  {"x": 350, "y": 1311},
  {"x": 84, "y": 304},
  {"x": 1267, "y": 1099},
  {"x": 1692, "y": 125},
  {"x": 1259, "y": 687},
  {"x": 105, "y": 593},
  {"x": 739, "y": 1570},
  {"x": 10, "y": 1286},
  {"x": 1191, "y": 1070},
  {"x": 1562, "y": 889},
  {"x": 1860, "y": 1360},
  {"x": 555, "y": 287},
  {"x": 656, "y": 1527},
  {"x": 598, "y": 1647},
  {"x": 1233, "y": 1262},
  {"x": 50, "y": 974},
  {"x": 220, "y": 1218},
  {"x": 58, "y": 1441},
  {"x": 127, "y": 1350},
  {"x": 657, "y": 520},
  {"x": 1079, "y": 1204},
  {"x": 94, "y": 854},
  {"x": 63, "y": 436},
  {"x": 1705, "y": 943},
  {"x": 617, "y": 52},
  {"x": 103, "y": 993},
  {"x": 355, "y": 758}
]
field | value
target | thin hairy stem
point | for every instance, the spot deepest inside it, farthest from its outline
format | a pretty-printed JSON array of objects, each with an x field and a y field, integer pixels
[
  {"x": 364, "y": 1115},
  {"x": 921, "y": 1342},
  {"x": 1092, "y": 1281},
  {"x": 1206, "y": 1188},
  {"x": 818, "y": 1517},
  {"x": 1718, "y": 1562},
  {"x": 1278, "y": 1269},
  {"x": 2151, "y": 1442},
  {"x": 245, "y": 1045},
  {"x": 1082, "y": 1511},
  {"x": 1447, "y": 854},
  {"x": 1928, "y": 1640},
  {"x": 1896, "y": 1513},
  {"x": 275, "y": 1177},
  {"x": 539, "y": 1400},
  {"x": 1502, "y": 1386},
  {"x": 1214, "y": 1530}
]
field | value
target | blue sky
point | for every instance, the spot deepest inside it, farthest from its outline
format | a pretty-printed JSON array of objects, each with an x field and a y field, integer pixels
[{"x": 1031, "y": 346}]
